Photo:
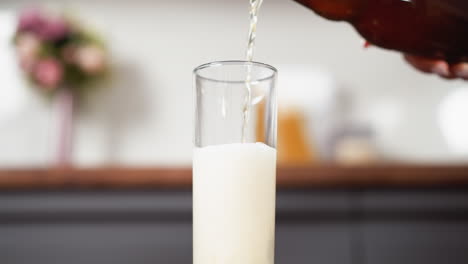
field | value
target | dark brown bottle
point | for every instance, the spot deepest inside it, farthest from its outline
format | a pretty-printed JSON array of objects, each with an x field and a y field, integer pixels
[{"x": 430, "y": 28}]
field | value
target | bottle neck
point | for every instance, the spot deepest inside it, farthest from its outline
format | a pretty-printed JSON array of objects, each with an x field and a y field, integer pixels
[{"x": 335, "y": 9}]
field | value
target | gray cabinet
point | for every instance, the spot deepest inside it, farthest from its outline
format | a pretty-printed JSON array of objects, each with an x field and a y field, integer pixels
[
  {"x": 96, "y": 243},
  {"x": 313, "y": 226},
  {"x": 320, "y": 242},
  {"x": 414, "y": 227},
  {"x": 409, "y": 242}
]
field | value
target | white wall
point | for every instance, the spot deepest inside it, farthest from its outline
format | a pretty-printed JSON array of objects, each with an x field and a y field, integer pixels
[{"x": 144, "y": 117}]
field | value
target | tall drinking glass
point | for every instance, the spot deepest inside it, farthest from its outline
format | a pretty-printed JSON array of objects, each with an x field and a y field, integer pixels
[{"x": 234, "y": 163}]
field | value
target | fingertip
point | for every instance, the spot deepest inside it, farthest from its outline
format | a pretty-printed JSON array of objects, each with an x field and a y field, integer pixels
[
  {"x": 438, "y": 67},
  {"x": 441, "y": 68},
  {"x": 461, "y": 70}
]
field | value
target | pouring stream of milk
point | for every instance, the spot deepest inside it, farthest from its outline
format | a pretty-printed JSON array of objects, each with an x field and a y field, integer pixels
[{"x": 254, "y": 8}]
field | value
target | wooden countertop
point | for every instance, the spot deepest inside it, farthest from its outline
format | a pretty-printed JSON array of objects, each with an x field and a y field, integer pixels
[{"x": 294, "y": 177}]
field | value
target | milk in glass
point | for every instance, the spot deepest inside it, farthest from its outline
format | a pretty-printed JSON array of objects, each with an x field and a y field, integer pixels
[{"x": 234, "y": 204}]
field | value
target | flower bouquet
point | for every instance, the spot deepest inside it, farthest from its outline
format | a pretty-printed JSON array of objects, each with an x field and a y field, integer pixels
[{"x": 61, "y": 58}]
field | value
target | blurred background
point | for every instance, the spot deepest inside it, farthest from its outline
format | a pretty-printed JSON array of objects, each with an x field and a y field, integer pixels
[
  {"x": 339, "y": 104},
  {"x": 143, "y": 114}
]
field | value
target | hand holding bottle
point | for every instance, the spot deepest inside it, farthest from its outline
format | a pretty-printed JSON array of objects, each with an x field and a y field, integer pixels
[{"x": 434, "y": 32}]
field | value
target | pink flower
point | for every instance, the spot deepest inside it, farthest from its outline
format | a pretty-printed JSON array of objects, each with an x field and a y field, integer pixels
[
  {"x": 55, "y": 28},
  {"x": 48, "y": 26},
  {"x": 30, "y": 20},
  {"x": 91, "y": 59},
  {"x": 49, "y": 73},
  {"x": 28, "y": 64},
  {"x": 27, "y": 48}
]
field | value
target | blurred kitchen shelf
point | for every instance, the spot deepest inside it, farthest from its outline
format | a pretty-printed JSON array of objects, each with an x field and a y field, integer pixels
[{"x": 387, "y": 176}]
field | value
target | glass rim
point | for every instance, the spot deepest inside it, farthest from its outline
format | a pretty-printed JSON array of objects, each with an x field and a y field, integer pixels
[{"x": 197, "y": 70}]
